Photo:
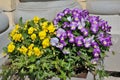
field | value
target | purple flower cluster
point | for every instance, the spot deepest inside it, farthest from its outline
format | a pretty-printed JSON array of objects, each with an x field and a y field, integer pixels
[
  {"x": 75, "y": 28},
  {"x": 105, "y": 40}
]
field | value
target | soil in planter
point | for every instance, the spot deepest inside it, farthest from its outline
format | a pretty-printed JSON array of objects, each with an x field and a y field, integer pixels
[
  {"x": 81, "y": 72},
  {"x": 113, "y": 73}
]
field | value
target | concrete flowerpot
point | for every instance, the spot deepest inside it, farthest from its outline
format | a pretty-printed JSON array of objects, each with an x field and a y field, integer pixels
[
  {"x": 47, "y": 9},
  {"x": 4, "y": 22}
]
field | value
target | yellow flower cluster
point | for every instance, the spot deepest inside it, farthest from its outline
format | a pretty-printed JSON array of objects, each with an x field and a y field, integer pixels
[
  {"x": 16, "y": 36},
  {"x": 15, "y": 30},
  {"x": 32, "y": 37},
  {"x": 42, "y": 34},
  {"x": 23, "y": 50},
  {"x": 47, "y": 29},
  {"x": 51, "y": 28},
  {"x": 37, "y": 51},
  {"x": 46, "y": 42},
  {"x": 31, "y": 30},
  {"x": 36, "y": 19},
  {"x": 45, "y": 26},
  {"x": 11, "y": 47},
  {"x": 31, "y": 50}
]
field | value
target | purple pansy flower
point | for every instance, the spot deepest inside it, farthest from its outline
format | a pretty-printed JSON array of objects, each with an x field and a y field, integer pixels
[
  {"x": 54, "y": 41},
  {"x": 104, "y": 25},
  {"x": 81, "y": 24},
  {"x": 101, "y": 34},
  {"x": 73, "y": 25},
  {"x": 94, "y": 20},
  {"x": 55, "y": 21},
  {"x": 60, "y": 46},
  {"x": 94, "y": 28},
  {"x": 106, "y": 41},
  {"x": 71, "y": 39},
  {"x": 96, "y": 52},
  {"x": 85, "y": 14},
  {"x": 79, "y": 40},
  {"x": 95, "y": 60},
  {"x": 60, "y": 15},
  {"x": 87, "y": 42},
  {"x": 61, "y": 32},
  {"x": 108, "y": 29},
  {"x": 95, "y": 45},
  {"x": 76, "y": 18},
  {"x": 69, "y": 33},
  {"x": 75, "y": 12},
  {"x": 67, "y": 11},
  {"x": 62, "y": 38},
  {"x": 84, "y": 31},
  {"x": 64, "y": 43},
  {"x": 65, "y": 24}
]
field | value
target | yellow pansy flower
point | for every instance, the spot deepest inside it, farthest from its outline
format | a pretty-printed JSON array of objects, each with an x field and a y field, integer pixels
[
  {"x": 42, "y": 34},
  {"x": 36, "y": 19},
  {"x": 31, "y": 46},
  {"x": 25, "y": 27},
  {"x": 44, "y": 24},
  {"x": 51, "y": 28},
  {"x": 17, "y": 37},
  {"x": 30, "y": 52},
  {"x": 46, "y": 43},
  {"x": 37, "y": 51},
  {"x": 12, "y": 33},
  {"x": 11, "y": 47},
  {"x": 33, "y": 37},
  {"x": 17, "y": 26},
  {"x": 30, "y": 30},
  {"x": 44, "y": 28},
  {"x": 23, "y": 50}
]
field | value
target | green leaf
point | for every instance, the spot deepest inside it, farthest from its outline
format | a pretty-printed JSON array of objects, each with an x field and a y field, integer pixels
[
  {"x": 62, "y": 75},
  {"x": 90, "y": 50},
  {"x": 5, "y": 49},
  {"x": 25, "y": 35},
  {"x": 32, "y": 59},
  {"x": 21, "y": 22},
  {"x": 103, "y": 55},
  {"x": 64, "y": 19},
  {"x": 87, "y": 24},
  {"x": 31, "y": 68},
  {"x": 31, "y": 23},
  {"x": 23, "y": 71}
]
